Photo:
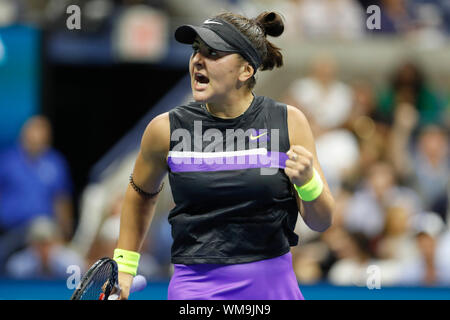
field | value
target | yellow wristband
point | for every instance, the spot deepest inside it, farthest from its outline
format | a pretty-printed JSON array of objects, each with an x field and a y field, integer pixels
[
  {"x": 127, "y": 261},
  {"x": 312, "y": 189}
]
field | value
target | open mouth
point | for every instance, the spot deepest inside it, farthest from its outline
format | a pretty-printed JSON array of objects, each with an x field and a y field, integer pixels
[{"x": 201, "y": 78}]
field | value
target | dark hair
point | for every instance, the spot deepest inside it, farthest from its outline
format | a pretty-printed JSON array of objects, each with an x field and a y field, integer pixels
[
  {"x": 409, "y": 74},
  {"x": 256, "y": 30}
]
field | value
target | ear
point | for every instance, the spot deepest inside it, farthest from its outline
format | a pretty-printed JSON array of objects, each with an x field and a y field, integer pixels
[{"x": 246, "y": 72}]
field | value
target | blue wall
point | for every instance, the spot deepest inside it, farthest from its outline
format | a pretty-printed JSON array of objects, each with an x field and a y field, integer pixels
[
  {"x": 57, "y": 290},
  {"x": 19, "y": 79}
]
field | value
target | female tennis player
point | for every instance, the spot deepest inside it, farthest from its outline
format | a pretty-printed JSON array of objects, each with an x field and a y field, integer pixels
[{"x": 233, "y": 223}]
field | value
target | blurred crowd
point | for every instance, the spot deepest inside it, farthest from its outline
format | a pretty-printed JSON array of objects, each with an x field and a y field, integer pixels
[
  {"x": 427, "y": 21},
  {"x": 384, "y": 151},
  {"x": 36, "y": 206}
]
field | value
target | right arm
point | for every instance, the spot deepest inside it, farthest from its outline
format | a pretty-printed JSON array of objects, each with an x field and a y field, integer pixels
[{"x": 149, "y": 170}]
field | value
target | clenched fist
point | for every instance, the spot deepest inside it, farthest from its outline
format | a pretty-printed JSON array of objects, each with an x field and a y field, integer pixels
[{"x": 299, "y": 166}]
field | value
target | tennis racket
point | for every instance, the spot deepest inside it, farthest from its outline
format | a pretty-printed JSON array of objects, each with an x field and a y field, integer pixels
[{"x": 100, "y": 281}]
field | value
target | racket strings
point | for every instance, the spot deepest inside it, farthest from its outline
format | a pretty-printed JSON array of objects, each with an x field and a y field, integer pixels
[{"x": 98, "y": 284}]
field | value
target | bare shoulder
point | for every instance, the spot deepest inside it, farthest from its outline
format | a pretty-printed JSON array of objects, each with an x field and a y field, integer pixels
[
  {"x": 298, "y": 126},
  {"x": 295, "y": 114},
  {"x": 156, "y": 137}
]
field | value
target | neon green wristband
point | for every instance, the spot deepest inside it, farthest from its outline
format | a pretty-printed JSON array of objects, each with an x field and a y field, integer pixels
[
  {"x": 127, "y": 261},
  {"x": 312, "y": 189}
]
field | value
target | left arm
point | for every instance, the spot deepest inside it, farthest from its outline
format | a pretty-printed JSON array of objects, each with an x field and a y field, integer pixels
[{"x": 317, "y": 213}]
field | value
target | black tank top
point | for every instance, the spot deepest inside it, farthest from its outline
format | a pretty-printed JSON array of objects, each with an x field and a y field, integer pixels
[{"x": 233, "y": 201}]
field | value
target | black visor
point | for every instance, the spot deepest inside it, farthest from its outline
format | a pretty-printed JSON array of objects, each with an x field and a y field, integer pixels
[{"x": 222, "y": 36}]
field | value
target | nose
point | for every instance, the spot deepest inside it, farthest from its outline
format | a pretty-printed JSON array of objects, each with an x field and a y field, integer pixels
[{"x": 197, "y": 59}]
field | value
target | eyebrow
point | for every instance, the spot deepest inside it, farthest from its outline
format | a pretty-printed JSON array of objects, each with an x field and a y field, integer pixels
[{"x": 200, "y": 42}]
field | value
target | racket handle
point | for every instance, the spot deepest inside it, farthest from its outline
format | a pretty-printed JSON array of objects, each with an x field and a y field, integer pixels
[{"x": 139, "y": 283}]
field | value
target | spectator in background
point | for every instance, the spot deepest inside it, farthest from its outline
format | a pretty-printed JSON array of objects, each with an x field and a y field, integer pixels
[
  {"x": 370, "y": 133},
  {"x": 427, "y": 268},
  {"x": 364, "y": 103},
  {"x": 427, "y": 246},
  {"x": 34, "y": 181},
  {"x": 430, "y": 28},
  {"x": 338, "y": 152},
  {"x": 408, "y": 85},
  {"x": 378, "y": 191},
  {"x": 321, "y": 96},
  {"x": 353, "y": 251},
  {"x": 396, "y": 17},
  {"x": 45, "y": 257},
  {"x": 432, "y": 169},
  {"x": 422, "y": 162},
  {"x": 342, "y": 19},
  {"x": 397, "y": 241}
]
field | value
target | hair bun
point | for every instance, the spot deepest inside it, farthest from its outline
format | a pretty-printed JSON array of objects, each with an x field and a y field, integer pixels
[{"x": 271, "y": 22}]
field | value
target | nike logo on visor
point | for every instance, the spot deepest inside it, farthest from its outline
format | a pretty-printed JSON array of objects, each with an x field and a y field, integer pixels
[{"x": 209, "y": 21}]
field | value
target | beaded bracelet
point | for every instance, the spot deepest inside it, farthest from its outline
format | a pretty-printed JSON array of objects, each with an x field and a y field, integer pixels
[{"x": 143, "y": 193}]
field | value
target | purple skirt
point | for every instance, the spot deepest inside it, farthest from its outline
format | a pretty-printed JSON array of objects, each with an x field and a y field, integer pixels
[{"x": 270, "y": 279}]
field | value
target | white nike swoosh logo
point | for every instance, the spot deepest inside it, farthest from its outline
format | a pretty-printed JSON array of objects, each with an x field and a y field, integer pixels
[{"x": 208, "y": 21}]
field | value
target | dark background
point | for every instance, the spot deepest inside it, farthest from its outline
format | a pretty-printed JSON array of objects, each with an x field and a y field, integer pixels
[{"x": 92, "y": 106}]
